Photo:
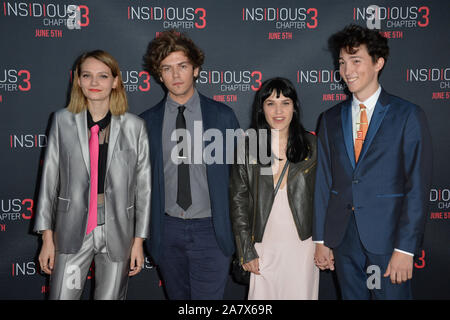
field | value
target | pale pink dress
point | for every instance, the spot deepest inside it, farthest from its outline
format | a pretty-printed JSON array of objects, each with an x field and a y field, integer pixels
[{"x": 286, "y": 263}]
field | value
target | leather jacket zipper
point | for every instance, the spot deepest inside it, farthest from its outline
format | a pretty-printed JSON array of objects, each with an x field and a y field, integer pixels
[{"x": 309, "y": 168}]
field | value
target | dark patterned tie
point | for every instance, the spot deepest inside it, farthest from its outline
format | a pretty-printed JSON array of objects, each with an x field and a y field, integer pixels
[{"x": 184, "y": 199}]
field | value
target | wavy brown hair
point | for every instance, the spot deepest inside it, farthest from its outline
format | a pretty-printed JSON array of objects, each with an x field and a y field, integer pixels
[
  {"x": 118, "y": 103},
  {"x": 166, "y": 43}
]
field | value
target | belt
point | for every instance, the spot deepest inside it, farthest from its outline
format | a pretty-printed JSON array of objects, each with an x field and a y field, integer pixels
[{"x": 197, "y": 219}]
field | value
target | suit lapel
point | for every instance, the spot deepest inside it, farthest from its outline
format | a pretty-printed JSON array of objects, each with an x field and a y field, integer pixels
[
  {"x": 113, "y": 135},
  {"x": 209, "y": 117},
  {"x": 156, "y": 128},
  {"x": 81, "y": 123},
  {"x": 347, "y": 128},
  {"x": 381, "y": 108},
  {"x": 209, "y": 120}
]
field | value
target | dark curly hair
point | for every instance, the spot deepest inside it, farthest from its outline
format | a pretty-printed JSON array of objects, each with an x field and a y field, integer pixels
[
  {"x": 352, "y": 36},
  {"x": 166, "y": 43}
]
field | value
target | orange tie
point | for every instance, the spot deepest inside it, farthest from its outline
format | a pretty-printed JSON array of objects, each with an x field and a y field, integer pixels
[{"x": 361, "y": 126}]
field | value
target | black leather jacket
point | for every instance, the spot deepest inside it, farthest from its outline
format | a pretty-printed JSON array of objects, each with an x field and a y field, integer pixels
[{"x": 247, "y": 184}]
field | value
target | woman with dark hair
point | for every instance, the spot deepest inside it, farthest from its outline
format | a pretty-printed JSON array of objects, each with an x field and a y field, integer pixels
[
  {"x": 271, "y": 203},
  {"x": 94, "y": 198}
]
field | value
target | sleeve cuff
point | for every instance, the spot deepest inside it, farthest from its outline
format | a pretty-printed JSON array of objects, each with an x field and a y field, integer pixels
[{"x": 405, "y": 252}]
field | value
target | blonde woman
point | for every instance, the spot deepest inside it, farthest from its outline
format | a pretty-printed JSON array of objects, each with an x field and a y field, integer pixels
[{"x": 94, "y": 199}]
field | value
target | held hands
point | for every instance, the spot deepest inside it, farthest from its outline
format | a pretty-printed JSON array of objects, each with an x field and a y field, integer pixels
[
  {"x": 137, "y": 257},
  {"x": 252, "y": 266},
  {"x": 400, "y": 267},
  {"x": 323, "y": 257},
  {"x": 47, "y": 254}
]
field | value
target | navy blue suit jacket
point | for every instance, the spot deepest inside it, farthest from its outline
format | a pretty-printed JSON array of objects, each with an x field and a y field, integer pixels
[
  {"x": 389, "y": 185},
  {"x": 214, "y": 115}
]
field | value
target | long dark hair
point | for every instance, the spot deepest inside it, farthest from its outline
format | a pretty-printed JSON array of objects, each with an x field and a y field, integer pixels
[{"x": 297, "y": 146}]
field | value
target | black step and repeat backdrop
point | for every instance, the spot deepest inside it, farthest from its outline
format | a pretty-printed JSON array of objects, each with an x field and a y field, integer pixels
[{"x": 245, "y": 43}]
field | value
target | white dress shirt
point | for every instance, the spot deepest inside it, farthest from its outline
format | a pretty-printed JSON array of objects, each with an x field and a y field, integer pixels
[{"x": 370, "y": 107}]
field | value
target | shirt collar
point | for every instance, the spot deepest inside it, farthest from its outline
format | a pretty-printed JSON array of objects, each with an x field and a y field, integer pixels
[
  {"x": 103, "y": 123},
  {"x": 192, "y": 104},
  {"x": 370, "y": 102}
]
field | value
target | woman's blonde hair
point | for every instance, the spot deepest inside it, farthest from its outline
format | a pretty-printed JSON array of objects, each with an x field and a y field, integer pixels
[{"x": 118, "y": 103}]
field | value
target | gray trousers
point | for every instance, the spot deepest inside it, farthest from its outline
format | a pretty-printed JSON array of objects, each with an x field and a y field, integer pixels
[{"x": 71, "y": 270}]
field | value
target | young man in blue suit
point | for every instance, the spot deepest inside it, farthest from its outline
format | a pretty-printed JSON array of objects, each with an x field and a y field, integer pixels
[
  {"x": 373, "y": 177},
  {"x": 191, "y": 239}
]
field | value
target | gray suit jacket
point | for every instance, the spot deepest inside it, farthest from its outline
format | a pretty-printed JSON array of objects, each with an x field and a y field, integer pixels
[{"x": 64, "y": 193}]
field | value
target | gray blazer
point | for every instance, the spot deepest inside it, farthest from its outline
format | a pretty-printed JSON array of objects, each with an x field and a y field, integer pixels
[{"x": 64, "y": 193}]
